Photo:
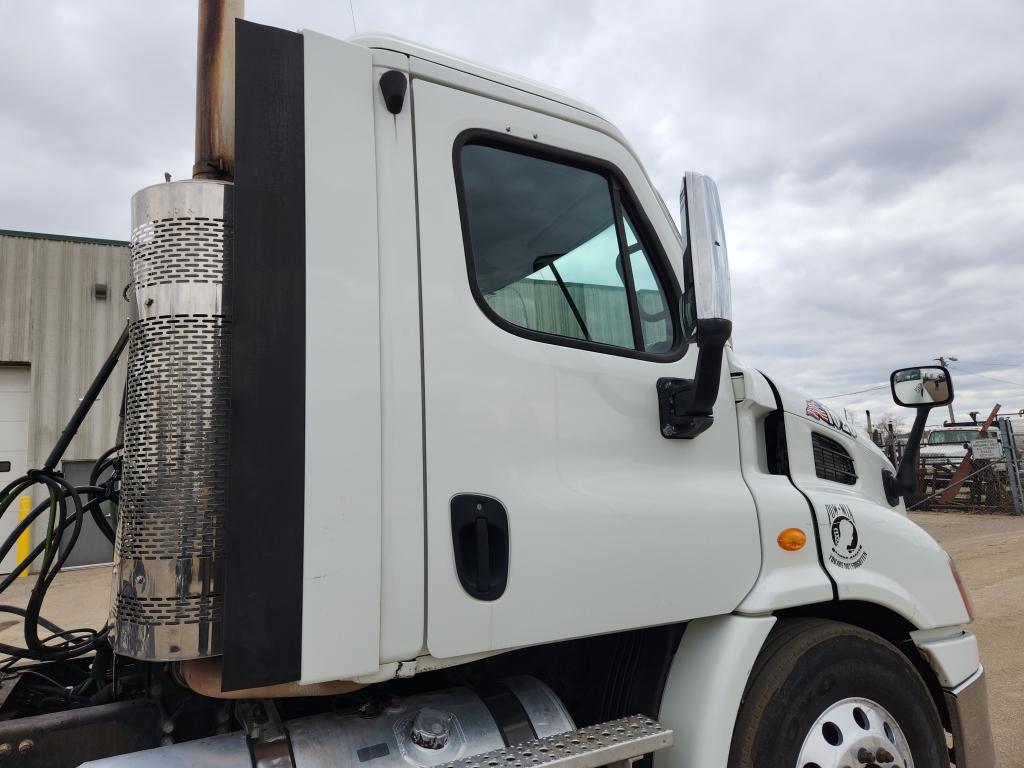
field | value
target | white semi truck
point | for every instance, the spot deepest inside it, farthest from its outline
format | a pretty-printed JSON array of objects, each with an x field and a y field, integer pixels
[{"x": 437, "y": 453}]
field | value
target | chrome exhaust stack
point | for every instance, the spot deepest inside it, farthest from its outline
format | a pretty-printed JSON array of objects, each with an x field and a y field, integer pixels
[
  {"x": 167, "y": 602},
  {"x": 215, "y": 89},
  {"x": 168, "y": 557}
]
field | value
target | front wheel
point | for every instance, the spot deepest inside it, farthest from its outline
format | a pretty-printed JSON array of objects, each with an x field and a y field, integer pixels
[{"x": 829, "y": 695}]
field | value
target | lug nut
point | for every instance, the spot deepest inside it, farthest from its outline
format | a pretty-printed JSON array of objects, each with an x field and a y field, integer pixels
[
  {"x": 26, "y": 746},
  {"x": 882, "y": 755}
]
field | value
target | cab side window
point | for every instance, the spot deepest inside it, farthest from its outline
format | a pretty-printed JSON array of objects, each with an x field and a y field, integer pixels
[{"x": 552, "y": 251}]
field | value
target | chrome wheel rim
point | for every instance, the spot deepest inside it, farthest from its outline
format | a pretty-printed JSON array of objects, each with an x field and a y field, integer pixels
[{"x": 852, "y": 733}]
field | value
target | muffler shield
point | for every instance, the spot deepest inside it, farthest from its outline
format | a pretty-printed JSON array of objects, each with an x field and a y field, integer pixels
[{"x": 167, "y": 598}]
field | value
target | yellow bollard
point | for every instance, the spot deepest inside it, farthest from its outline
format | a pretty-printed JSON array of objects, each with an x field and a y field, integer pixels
[{"x": 24, "y": 507}]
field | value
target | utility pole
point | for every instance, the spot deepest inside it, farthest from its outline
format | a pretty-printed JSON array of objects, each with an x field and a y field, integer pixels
[{"x": 942, "y": 362}]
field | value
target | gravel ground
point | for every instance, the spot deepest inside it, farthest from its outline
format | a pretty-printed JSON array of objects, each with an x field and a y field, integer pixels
[
  {"x": 989, "y": 553},
  {"x": 77, "y": 598},
  {"x": 988, "y": 549}
]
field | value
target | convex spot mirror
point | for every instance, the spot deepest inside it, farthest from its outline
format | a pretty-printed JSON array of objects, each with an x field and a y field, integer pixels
[{"x": 922, "y": 387}]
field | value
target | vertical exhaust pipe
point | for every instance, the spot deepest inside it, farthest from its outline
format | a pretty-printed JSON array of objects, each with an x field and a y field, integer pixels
[
  {"x": 215, "y": 89},
  {"x": 168, "y": 592}
]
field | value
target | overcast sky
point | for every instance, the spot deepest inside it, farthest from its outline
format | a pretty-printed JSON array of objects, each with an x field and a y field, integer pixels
[{"x": 869, "y": 156}]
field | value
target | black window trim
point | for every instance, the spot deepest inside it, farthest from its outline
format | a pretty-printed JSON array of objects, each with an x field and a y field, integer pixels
[
  {"x": 622, "y": 203},
  {"x": 627, "y": 269}
]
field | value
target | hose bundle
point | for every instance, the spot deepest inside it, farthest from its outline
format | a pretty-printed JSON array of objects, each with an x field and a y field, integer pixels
[{"x": 65, "y": 507}]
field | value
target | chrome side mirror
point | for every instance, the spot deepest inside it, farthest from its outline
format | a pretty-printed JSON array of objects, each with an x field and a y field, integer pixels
[
  {"x": 923, "y": 387},
  {"x": 703, "y": 230},
  {"x": 686, "y": 407}
]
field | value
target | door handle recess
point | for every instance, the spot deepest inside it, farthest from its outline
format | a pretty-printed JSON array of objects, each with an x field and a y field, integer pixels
[{"x": 480, "y": 543}]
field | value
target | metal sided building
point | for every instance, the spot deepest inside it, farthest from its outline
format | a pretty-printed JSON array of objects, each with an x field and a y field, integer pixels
[{"x": 61, "y": 311}]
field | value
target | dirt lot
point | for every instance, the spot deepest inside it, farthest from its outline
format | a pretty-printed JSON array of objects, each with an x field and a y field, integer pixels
[{"x": 989, "y": 551}]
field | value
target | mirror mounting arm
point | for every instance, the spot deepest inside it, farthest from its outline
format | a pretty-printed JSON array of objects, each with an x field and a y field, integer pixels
[
  {"x": 903, "y": 482},
  {"x": 686, "y": 406}
]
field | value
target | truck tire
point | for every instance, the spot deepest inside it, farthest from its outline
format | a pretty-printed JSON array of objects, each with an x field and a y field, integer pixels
[{"x": 823, "y": 694}]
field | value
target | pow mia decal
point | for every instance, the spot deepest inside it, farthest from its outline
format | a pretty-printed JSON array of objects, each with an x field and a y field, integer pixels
[{"x": 847, "y": 550}]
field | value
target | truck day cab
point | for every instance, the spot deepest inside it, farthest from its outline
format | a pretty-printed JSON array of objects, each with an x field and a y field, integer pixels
[{"x": 437, "y": 453}]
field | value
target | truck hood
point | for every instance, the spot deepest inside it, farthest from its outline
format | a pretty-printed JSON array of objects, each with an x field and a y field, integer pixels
[{"x": 802, "y": 405}]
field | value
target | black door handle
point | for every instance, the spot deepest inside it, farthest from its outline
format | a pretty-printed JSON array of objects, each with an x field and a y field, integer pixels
[{"x": 480, "y": 542}]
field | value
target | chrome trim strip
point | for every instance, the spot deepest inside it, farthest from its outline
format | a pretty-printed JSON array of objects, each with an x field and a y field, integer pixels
[{"x": 973, "y": 746}]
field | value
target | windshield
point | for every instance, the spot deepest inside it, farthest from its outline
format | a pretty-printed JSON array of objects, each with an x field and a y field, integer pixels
[{"x": 947, "y": 437}]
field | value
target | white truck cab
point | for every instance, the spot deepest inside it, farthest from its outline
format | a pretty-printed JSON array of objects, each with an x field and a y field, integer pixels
[{"x": 512, "y": 439}]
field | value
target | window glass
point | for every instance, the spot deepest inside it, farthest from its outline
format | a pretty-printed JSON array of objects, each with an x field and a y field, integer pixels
[
  {"x": 545, "y": 251},
  {"x": 955, "y": 436},
  {"x": 655, "y": 320}
]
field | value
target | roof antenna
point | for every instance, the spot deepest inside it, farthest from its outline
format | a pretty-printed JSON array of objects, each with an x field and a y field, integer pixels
[{"x": 352, "y": 10}]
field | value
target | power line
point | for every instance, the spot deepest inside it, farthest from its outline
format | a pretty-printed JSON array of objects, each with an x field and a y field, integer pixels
[
  {"x": 979, "y": 362},
  {"x": 857, "y": 392},
  {"x": 990, "y": 378},
  {"x": 352, "y": 10},
  {"x": 955, "y": 368}
]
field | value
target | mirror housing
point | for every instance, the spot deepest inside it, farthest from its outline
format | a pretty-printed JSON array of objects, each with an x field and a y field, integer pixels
[
  {"x": 703, "y": 231},
  {"x": 921, "y": 388},
  {"x": 924, "y": 387},
  {"x": 686, "y": 407}
]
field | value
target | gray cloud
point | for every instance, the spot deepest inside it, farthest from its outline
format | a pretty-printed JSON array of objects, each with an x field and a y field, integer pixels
[{"x": 870, "y": 158}]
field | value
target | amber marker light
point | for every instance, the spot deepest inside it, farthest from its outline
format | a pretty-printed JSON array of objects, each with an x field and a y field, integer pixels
[{"x": 792, "y": 539}]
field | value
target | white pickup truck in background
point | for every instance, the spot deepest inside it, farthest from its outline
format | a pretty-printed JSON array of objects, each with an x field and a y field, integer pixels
[{"x": 948, "y": 445}]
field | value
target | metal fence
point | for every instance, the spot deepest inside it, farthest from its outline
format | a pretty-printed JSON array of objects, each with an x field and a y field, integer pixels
[
  {"x": 987, "y": 486},
  {"x": 958, "y": 481}
]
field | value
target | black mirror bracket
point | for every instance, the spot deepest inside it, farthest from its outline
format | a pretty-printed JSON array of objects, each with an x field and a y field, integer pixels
[
  {"x": 686, "y": 406},
  {"x": 677, "y": 421},
  {"x": 903, "y": 482}
]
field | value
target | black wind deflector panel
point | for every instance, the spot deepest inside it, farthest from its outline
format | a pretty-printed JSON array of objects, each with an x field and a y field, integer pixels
[{"x": 263, "y": 601}]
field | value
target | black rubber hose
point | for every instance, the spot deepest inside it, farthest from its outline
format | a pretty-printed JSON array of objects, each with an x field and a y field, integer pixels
[
  {"x": 66, "y": 512},
  {"x": 108, "y": 460},
  {"x": 54, "y": 549},
  {"x": 105, "y": 460}
]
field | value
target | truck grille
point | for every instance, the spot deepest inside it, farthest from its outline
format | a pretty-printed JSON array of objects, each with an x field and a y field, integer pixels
[{"x": 832, "y": 461}]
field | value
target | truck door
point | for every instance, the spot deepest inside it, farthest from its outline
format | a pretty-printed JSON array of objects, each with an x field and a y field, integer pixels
[{"x": 555, "y": 509}]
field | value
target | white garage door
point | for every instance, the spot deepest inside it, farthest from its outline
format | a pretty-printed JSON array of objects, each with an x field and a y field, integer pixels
[{"x": 13, "y": 442}]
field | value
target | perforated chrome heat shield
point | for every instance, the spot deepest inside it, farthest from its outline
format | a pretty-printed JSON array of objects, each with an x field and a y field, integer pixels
[{"x": 167, "y": 598}]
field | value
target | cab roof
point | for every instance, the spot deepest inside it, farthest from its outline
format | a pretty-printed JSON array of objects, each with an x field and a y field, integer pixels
[{"x": 409, "y": 48}]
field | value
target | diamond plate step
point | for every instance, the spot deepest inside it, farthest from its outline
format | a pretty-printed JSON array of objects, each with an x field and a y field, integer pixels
[{"x": 615, "y": 742}]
